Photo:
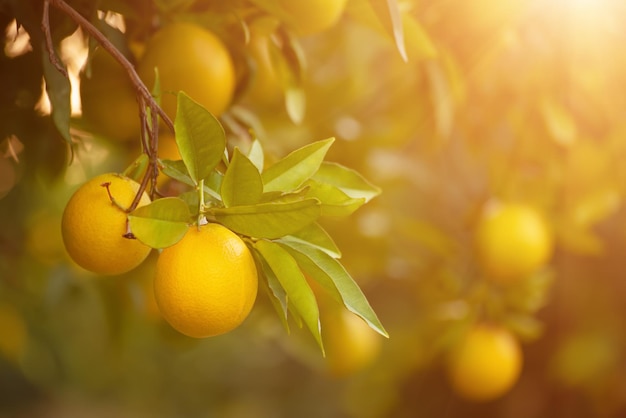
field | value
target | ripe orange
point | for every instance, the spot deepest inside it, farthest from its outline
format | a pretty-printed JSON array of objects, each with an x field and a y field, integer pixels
[
  {"x": 190, "y": 59},
  {"x": 512, "y": 241},
  {"x": 108, "y": 99},
  {"x": 93, "y": 227},
  {"x": 206, "y": 284},
  {"x": 350, "y": 344},
  {"x": 312, "y": 16},
  {"x": 485, "y": 364}
]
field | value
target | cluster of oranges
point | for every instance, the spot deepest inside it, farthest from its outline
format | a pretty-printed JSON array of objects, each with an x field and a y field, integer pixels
[
  {"x": 512, "y": 242},
  {"x": 193, "y": 59},
  {"x": 204, "y": 285}
]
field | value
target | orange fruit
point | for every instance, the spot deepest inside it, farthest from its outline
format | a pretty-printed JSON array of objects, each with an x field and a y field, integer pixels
[
  {"x": 93, "y": 227},
  {"x": 206, "y": 284},
  {"x": 192, "y": 59},
  {"x": 350, "y": 344},
  {"x": 312, "y": 16},
  {"x": 485, "y": 364},
  {"x": 512, "y": 241}
]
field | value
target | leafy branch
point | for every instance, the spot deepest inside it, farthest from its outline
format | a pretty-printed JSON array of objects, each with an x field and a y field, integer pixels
[
  {"x": 149, "y": 132},
  {"x": 276, "y": 209}
]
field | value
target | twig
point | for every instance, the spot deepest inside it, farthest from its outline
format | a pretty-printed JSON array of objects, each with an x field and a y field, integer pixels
[
  {"x": 144, "y": 97},
  {"x": 45, "y": 27},
  {"x": 111, "y": 49}
]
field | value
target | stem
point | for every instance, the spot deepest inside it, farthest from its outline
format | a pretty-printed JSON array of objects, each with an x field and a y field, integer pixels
[
  {"x": 45, "y": 27},
  {"x": 144, "y": 97},
  {"x": 88, "y": 27},
  {"x": 201, "y": 207}
]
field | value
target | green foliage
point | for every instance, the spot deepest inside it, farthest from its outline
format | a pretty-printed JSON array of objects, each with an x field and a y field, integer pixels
[
  {"x": 242, "y": 184},
  {"x": 275, "y": 208},
  {"x": 162, "y": 223},
  {"x": 200, "y": 138},
  {"x": 443, "y": 104}
]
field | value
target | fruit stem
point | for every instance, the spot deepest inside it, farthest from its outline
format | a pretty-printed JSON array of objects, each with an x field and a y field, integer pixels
[
  {"x": 106, "y": 185},
  {"x": 201, "y": 206}
]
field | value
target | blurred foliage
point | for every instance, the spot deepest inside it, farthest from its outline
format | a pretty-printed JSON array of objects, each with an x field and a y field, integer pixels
[{"x": 515, "y": 100}]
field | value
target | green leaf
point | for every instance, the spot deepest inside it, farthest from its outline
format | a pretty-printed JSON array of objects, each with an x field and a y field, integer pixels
[
  {"x": 59, "y": 90},
  {"x": 192, "y": 200},
  {"x": 178, "y": 171},
  {"x": 389, "y": 15},
  {"x": 277, "y": 294},
  {"x": 347, "y": 180},
  {"x": 242, "y": 184},
  {"x": 256, "y": 155},
  {"x": 299, "y": 293},
  {"x": 137, "y": 168},
  {"x": 329, "y": 273},
  {"x": 213, "y": 184},
  {"x": 277, "y": 197},
  {"x": 269, "y": 220},
  {"x": 293, "y": 170},
  {"x": 334, "y": 202},
  {"x": 160, "y": 224},
  {"x": 315, "y": 236},
  {"x": 200, "y": 138}
]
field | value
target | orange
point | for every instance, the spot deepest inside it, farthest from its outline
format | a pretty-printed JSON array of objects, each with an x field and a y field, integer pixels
[
  {"x": 206, "y": 284},
  {"x": 512, "y": 241},
  {"x": 350, "y": 344},
  {"x": 312, "y": 16},
  {"x": 192, "y": 59},
  {"x": 93, "y": 227},
  {"x": 485, "y": 364}
]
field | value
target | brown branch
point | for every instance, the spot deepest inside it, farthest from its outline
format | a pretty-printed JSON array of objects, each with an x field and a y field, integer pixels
[
  {"x": 45, "y": 27},
  {"x": 149, "y": 135},
  {"x": 88, "y": 27}
]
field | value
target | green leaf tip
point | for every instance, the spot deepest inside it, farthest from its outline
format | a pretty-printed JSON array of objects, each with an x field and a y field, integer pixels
[{"x": 200, "y": 138}]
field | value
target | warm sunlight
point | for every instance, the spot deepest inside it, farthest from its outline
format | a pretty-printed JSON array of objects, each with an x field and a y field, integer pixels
[{"x": 583, "y": 18}]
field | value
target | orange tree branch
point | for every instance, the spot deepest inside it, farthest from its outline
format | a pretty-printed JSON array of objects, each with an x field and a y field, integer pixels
[{"x": 145, "y": 99}]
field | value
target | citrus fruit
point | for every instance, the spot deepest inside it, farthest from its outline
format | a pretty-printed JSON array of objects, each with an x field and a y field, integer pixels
[
  {"x": 485, "y": 364},
  {"x": 93, "y": 226},
  {"x": 192, "y": 59},
  {"x": 108, "y": 99},
  {"x": 350, "y": 344},
  {"x": 512, "y": 241},
  {"x": 206, "y": 283},
  {"x": 312, "y": 16}
]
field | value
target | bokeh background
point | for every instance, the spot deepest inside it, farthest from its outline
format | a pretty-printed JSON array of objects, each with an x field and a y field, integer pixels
[{"x": 517, "y": 100}]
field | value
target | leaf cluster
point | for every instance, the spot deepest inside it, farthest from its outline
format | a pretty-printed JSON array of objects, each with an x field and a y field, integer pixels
[{"x": 275, "y": 209}]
